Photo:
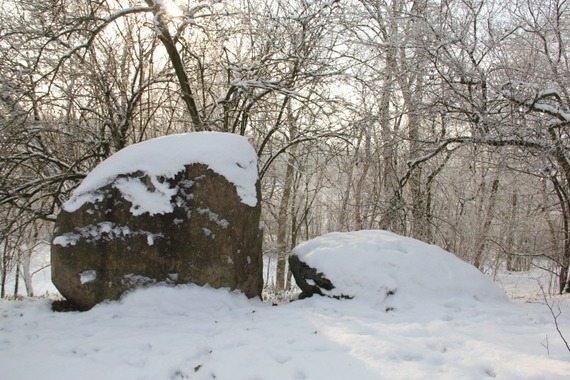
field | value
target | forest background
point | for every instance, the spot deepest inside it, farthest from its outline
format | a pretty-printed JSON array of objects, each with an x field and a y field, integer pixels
[{"x": 447, "y": 121}]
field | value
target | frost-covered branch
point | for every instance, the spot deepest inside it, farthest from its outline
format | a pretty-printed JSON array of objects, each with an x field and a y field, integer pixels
[
  {"x": 444, "y": 146},
  {"x": 549, "y": 101},
  {"x": 483, "y": 140},
  {"x": 93, "y": 34},
  {"x": 284, "y": 148}
]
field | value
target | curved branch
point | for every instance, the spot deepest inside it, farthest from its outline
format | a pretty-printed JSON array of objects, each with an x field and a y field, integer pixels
[
  {"x": 484, "y": 140},
  {"x": 94, "y": 32},
  {"x": 174, "y": 55}
]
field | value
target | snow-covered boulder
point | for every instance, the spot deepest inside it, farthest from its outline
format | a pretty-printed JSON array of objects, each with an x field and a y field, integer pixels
[
  {"x": 386, "y": 270},
  {"x": 177, "y": 209}
]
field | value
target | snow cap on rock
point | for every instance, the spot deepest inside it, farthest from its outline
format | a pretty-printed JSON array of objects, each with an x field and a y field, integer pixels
[{"x": 227, "y": 154}]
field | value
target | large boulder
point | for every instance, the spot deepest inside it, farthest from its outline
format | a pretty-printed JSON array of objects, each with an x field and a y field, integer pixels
[{"x": 179, "y": 209}]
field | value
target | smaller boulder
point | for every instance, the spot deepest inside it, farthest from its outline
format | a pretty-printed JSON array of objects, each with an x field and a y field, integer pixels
[{"x": 386, "y": 270}]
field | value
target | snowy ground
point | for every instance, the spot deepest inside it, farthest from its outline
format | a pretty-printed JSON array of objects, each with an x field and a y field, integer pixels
[{"x": 190, "y": 332}]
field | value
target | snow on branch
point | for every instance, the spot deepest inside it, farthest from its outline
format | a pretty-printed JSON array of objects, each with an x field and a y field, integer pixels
[
  {"x": 549, "y": 101},
  {"x": 274, "y": 85},
  {"x": 93, "y": 33},
  {"x": 444, "y": 146},
  {"x": 485, "y": 140}
]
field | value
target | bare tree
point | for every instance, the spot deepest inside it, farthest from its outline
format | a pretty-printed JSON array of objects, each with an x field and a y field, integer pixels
[{"x": 97, "y": 78}]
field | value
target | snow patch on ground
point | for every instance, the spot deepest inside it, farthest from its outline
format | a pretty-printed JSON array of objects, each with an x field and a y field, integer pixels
[
  {"x": 200, "y": 333},
  {"x": 181, "y": 332}
]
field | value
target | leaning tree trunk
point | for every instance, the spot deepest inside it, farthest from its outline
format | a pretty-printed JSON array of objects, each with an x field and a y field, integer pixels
[{"x": 176, "y": 60}]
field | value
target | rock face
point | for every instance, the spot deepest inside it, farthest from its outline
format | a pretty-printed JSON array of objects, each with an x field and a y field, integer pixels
[
  {"x": 307, "y": 278},
  {"x": 114, "y": 242}
]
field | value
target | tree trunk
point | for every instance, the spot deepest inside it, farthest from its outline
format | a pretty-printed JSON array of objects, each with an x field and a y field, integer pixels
[
  {"x": 17, "y": 278},
  {"x": 4, "y": 269},
  {"x": 484, "y": 233},
  {"x": 176, "y": 61},
  {"x": 282, "y": 218},
  {"x": 564, "y": 262},
  {"x": 365, "y": 164},
  {"x": 512, "y": 261},
  {"x": 428, "y": 238},
  {"x": 26, "y": 269},
  {"x": 343, "y": 221},
  {"x": 389, "y": 183}
]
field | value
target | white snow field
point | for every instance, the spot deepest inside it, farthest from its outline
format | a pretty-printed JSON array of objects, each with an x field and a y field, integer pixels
[{"x": 445, "y": 320}]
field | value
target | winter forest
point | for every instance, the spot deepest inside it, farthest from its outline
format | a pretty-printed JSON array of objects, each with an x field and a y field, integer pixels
[{"x": 447, "y": 121}]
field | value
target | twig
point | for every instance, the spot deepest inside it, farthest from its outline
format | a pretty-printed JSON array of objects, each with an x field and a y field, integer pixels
[{"x": 554, "y": 316}]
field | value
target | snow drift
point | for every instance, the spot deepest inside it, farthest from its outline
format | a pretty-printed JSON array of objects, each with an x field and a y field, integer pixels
[{"x": 394, "y": 272}]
